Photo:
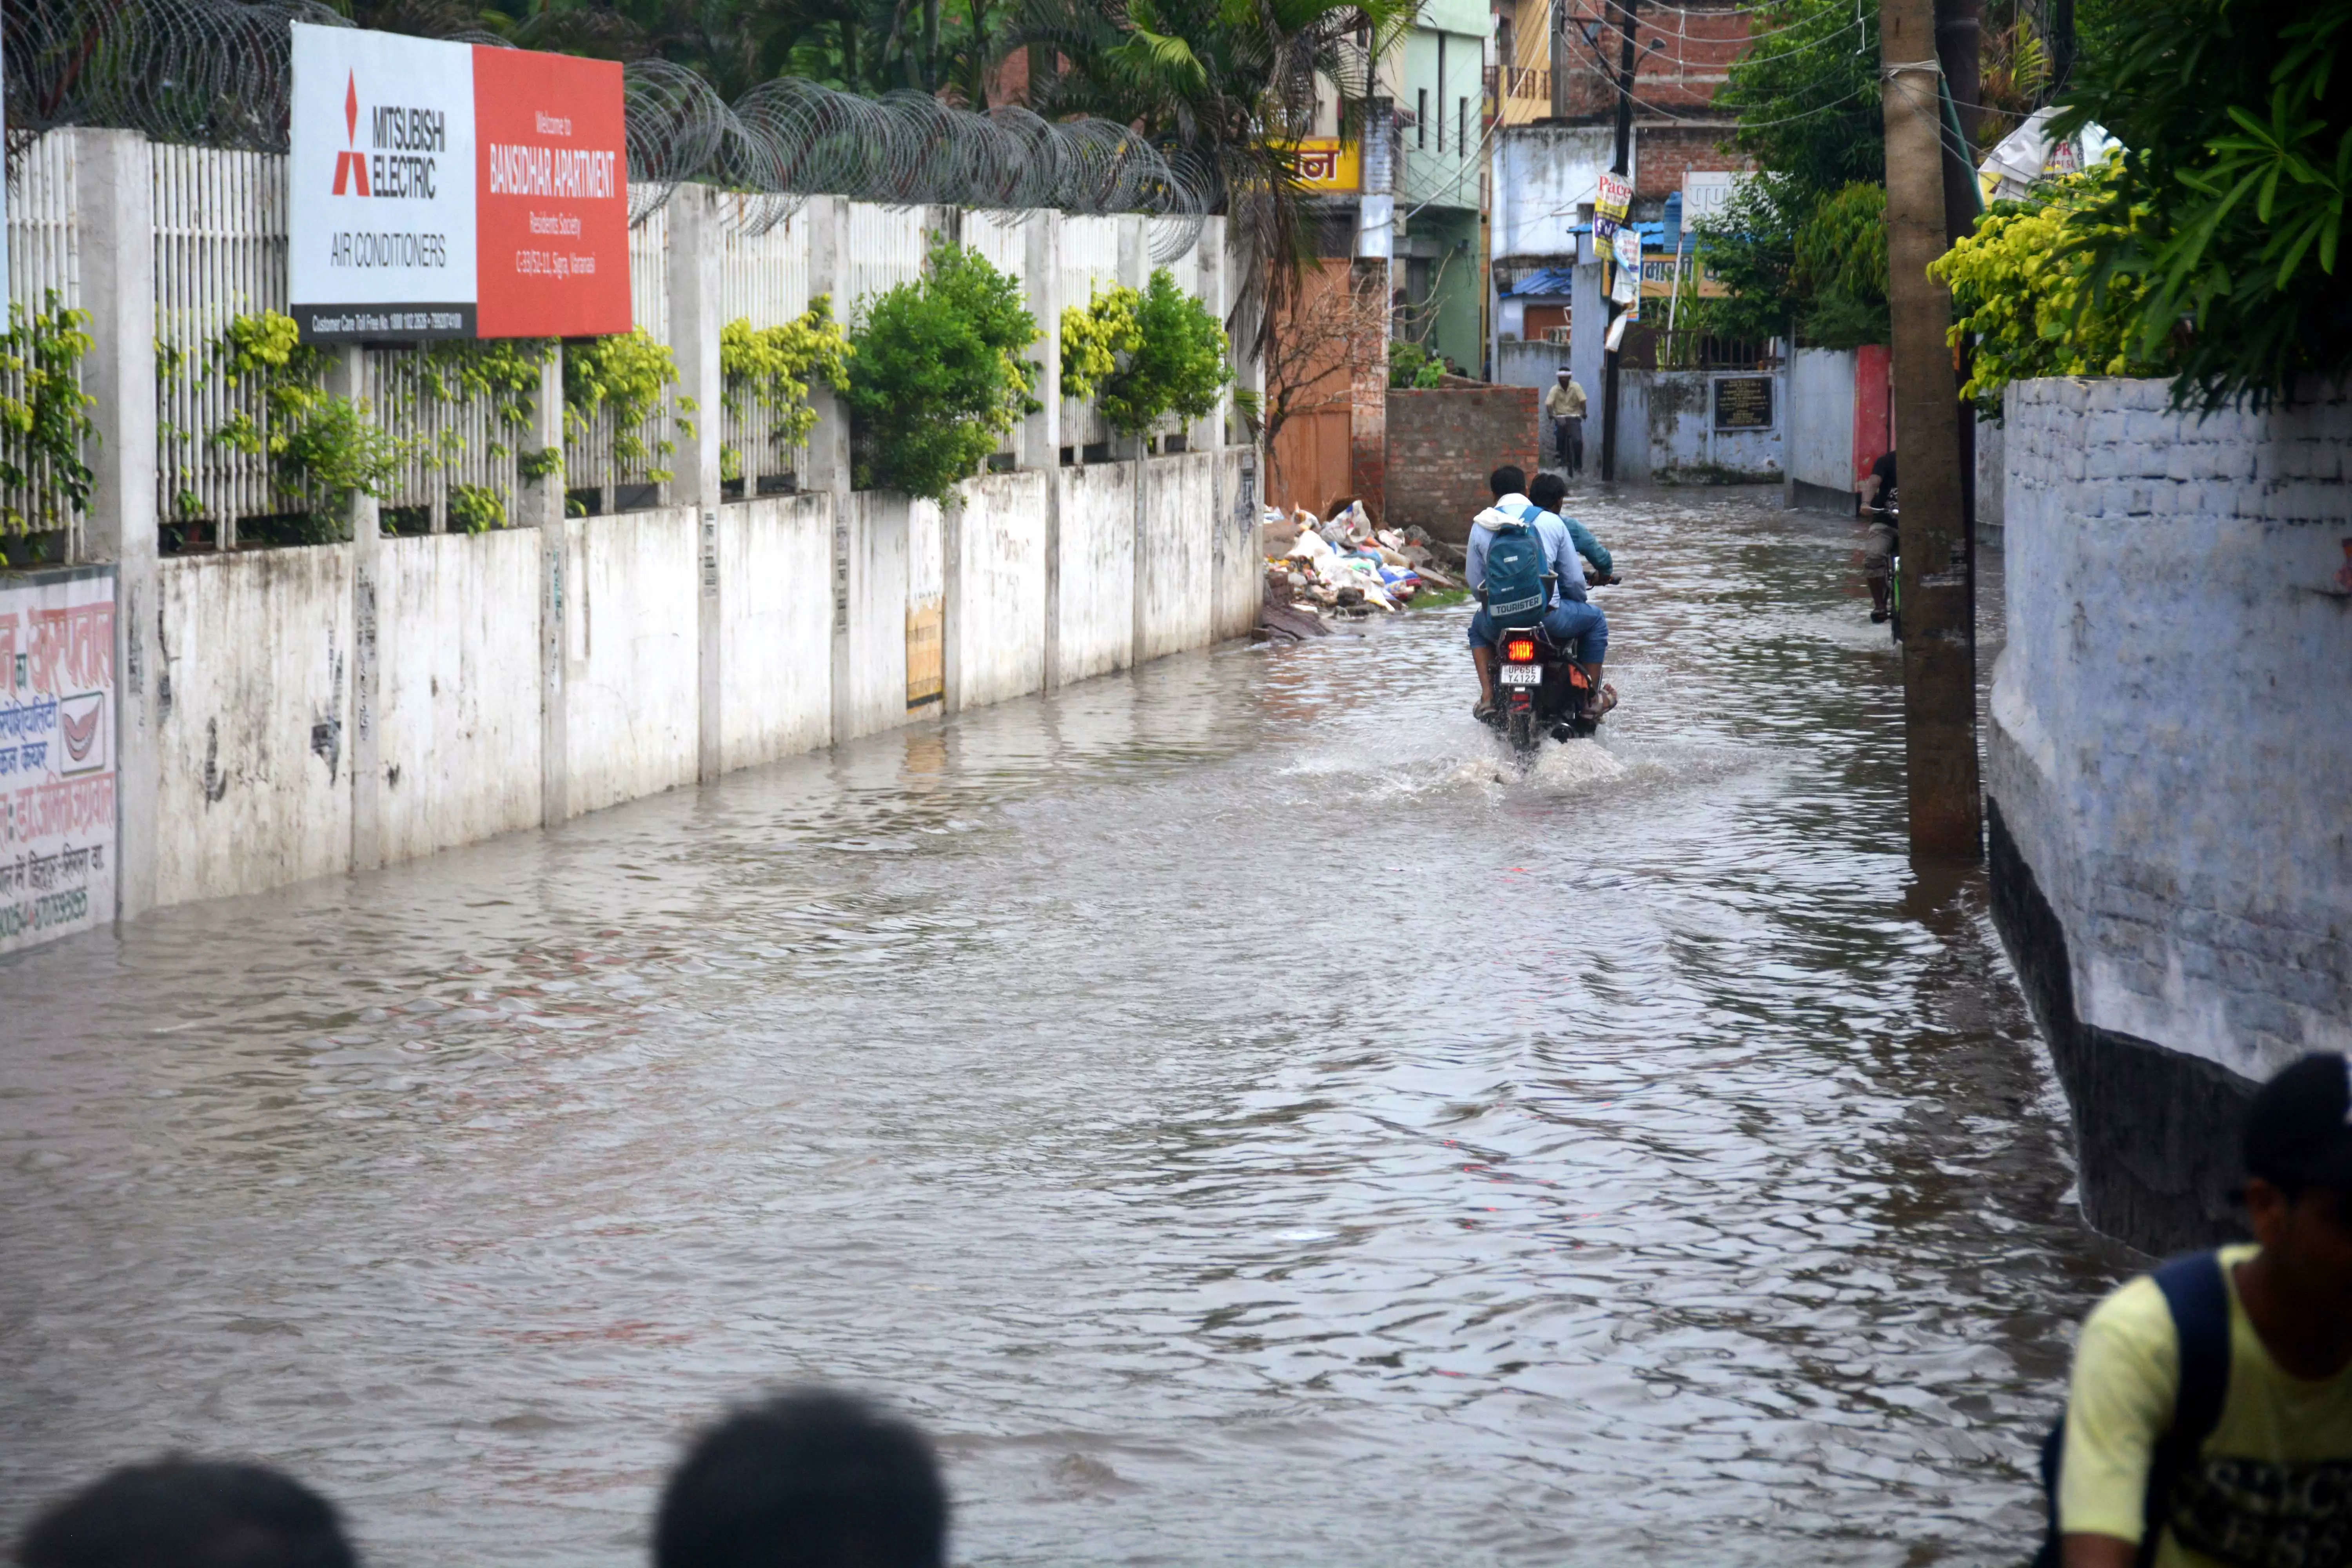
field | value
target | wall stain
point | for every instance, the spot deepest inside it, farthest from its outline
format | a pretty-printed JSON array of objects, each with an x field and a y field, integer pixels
[{"x": 216, "y": 782}]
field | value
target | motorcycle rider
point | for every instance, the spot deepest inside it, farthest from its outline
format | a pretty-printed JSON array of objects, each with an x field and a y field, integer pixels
[
  {"x": 1572, "y": 621},
  {"x": 1877, "y": 502}
]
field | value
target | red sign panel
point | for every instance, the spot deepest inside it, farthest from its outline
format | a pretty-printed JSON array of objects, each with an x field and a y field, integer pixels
[{"x": 552, "y": 185}]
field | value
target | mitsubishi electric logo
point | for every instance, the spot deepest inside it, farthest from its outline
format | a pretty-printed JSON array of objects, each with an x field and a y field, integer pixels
[
  {"x": 350, "y": 166},
  {"x": 403, "y": 139}
]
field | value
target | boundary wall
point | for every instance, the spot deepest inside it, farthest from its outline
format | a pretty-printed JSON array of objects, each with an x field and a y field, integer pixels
[
  {"x": 2165, "y": 771},
  {"x": 288, "y": 713}
]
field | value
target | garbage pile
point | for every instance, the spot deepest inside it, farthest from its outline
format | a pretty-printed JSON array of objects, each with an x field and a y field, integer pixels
[{"x": 1345, "y": 568}]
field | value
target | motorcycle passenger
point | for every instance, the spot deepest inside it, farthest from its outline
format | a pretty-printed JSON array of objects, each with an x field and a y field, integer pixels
[
  {"x": 1548, "y": 492},
  {"x": 1877, "y": 502},
  {"x": 1575, "y": 625}
]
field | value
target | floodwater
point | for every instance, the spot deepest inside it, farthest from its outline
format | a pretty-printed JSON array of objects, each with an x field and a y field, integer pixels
[{"x": 1241, "y": 1120}]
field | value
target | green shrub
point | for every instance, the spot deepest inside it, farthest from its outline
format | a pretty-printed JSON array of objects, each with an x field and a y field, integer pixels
[
  {"x": 323, "y": 449},
  {"x": 935, "y": 376},
  {"x": 627, "y": 373},
  {"x": 1411, "y": 366},
  {"x": 476, "y": 508},
  {"x": 2028, "y": 294},
  {"x": 1179, "y": 367},
  {"x": 1095, "y": 335},
  {"x": 44, "y": 418},
  {"x": 773, "y": 366}
]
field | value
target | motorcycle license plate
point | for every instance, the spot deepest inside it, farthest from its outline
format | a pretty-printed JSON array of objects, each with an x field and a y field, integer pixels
[{"x": 1522, "y": 675}]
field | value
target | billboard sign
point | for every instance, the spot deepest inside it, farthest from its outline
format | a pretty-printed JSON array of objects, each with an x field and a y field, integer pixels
[
  {"x": 1704, "y": 192},
  {"x": 57, "y": 755},
  {"x": 441, "y": 190}
]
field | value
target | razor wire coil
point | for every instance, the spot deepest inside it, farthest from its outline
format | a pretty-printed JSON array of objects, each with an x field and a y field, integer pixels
[{"x": 220, "y": 73}]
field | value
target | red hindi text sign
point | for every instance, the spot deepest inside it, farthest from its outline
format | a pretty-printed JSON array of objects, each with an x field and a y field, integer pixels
[{"x": 552, "y": 191}]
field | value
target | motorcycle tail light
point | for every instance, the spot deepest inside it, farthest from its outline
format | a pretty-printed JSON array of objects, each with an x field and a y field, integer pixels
[{"x": 1520, "y": 650}]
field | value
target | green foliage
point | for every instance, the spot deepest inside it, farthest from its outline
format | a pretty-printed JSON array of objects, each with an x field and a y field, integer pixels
[
  {"x": 1807, "y": 95},
  {"x": 323, "y": 449},
  {"x": 1411, "y": 366},
  {"x": 935, "y": 376},
  {"x": 505, "y": 370},
  {"x": 44, "y": 419},
  {"x": 1839, "y": 274},
  {"x": 535, "y": 466},
  {"x": 624, "y": 374},
  {"x": 1751, "y": 247},
  {"x": 1179, "y": 367},
  {"x": 2026, "y": 294},
  {"x": 476, "y": 508},
  {"x": 2230, "y": 207},
  {"x": 774, "y": 365},
  {"x": 1094, "y": 336}
]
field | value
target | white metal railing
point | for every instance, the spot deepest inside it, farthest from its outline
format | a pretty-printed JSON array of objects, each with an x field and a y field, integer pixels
[
  {"x": 1089, "y": 266},
  {"x": 44, "y": 259},
  {"x": 763, "y": 278}
]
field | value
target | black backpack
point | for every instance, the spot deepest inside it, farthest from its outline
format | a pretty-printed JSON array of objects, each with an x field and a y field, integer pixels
[{"x": 2198, "y": 1299}]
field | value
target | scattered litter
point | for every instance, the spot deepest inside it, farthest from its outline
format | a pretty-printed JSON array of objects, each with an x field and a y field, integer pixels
[{"x": 1344, "y": 568}]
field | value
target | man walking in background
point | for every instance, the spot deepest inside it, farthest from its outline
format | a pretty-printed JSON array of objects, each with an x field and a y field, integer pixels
[{"x": 1564, "y": 404}]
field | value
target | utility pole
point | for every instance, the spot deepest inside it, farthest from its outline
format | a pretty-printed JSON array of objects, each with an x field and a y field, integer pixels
[
  {"x": 1558, "y": 60},
  {"x": 1623, "y": 168},
  {"x": 1958, "y": 38},
  {"x": 1939, "y": 699}
]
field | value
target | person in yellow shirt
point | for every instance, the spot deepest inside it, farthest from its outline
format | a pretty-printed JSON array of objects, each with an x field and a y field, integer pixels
[
  {"x": 1564, "y": 402},
  {"x": 2209, "y": 1420}
]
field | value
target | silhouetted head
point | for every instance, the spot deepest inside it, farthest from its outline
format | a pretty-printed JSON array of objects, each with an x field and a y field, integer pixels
[
  {"x": 189, "y": 1513},
  {"x": 807, "y": 1479},
  {"x": 1506, "y": 480},
  {"x": 1548, "y": 491},
  {"x": 2298, "y": 1153}
]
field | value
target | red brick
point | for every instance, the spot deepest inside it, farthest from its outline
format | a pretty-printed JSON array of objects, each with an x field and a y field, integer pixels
[{"x": 1442, "y": 446}]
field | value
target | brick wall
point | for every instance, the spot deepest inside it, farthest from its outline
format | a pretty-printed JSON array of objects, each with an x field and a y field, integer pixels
[
  {"x": 1664, "y": 153},
  {"x": 1443, "y": 445}
]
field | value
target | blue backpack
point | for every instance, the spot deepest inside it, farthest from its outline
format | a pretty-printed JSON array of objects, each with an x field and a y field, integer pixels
[
  {"x": 1518, "y": 585},
  {"x": 2198, "y": 1300}
]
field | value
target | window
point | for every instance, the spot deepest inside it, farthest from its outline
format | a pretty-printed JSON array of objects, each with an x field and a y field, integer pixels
[
  {"x": 1441, "y": 93},
  {"x": 1461, "y": 125},
  {"x": 1420, "y": 117}
]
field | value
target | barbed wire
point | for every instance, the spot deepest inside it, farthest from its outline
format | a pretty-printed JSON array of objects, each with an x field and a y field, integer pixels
[{"x": 220, "y": 73}]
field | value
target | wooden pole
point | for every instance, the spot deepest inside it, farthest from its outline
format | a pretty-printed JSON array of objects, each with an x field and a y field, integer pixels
[
  {"x": 1938, "y": 663},
  {"x": 1623, "y": 167}
]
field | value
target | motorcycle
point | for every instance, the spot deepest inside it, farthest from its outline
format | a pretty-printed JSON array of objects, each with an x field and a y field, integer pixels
[
  {"x": 1539, "y": 690},
  {"x": 1891, "y": 514}
]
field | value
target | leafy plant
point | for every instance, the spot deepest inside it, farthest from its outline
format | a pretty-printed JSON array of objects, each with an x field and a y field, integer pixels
[
  {"x": 1095, "y": 335},
  {"x": 773, "y": 367},
  {"x": 935, "y": 376},
  {"x": 477, "y": 508},
  {"x": 1410, "y": 365},
  {"x": 1839, "y": 269},
  {"x": 323, "y": 449},
  {"x": 2229, "y": 210},
  {"x": 2027, "y": 295},
  {"x": 1178, "y": 366},
  {"x": 44, "y": 418},
  {"x": 625, "y": 374}
]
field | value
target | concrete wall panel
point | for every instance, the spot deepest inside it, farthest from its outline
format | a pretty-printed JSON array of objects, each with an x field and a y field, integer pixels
[
  {"x": 997, "y": 622},
  {"x": 1238, "y": 581},
  {"x": 252, "y": 700},
  {"x": 1097, "y": 569},
  {"x": 875, "y": 691},
  {"x": 1174, "y": 599},
  {"x": 775, "y": 557},
  {"x": 1820, "y": 418},
  {"x": 457, "y": 690},
  {"x": 632, "y": 669}
]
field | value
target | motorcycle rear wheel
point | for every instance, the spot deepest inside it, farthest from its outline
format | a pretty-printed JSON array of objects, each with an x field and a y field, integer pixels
[{"x": 1525, "y": 731}]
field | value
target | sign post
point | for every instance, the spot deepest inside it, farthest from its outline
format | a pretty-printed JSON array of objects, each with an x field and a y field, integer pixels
[{"x": 441, "y": 190}]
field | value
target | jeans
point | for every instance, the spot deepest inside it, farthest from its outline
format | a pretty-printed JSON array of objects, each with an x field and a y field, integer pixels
[
  {"x": 1579, "y": 628},
  {"x": 1568, "y": 441}
]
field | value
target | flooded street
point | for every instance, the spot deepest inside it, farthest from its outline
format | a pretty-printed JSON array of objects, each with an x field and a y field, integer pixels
[{"x": 1241, "y": 1121}]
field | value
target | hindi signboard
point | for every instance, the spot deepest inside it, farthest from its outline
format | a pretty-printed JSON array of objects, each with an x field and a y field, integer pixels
[
  {"x": 1704, "y": 192},
  {"x": 57, "y": 755},
  {"x": 441, "y": 190},
  {"x": 1609, "y": 205},
  {"x": 1327, "y": 163}
]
